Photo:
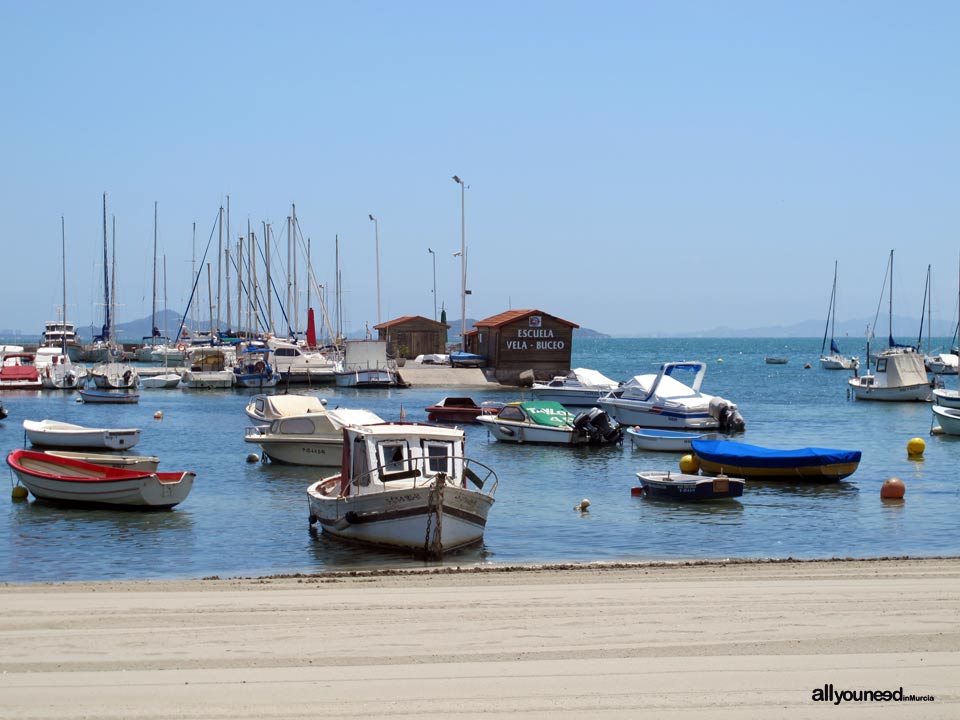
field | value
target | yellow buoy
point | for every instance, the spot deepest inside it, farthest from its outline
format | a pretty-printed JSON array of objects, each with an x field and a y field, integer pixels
[
  {"x": 19, "y": 492},
  {"x": 915, "y": 447},
  {"x": 689, "y": 464},
  {"x": 892, "y": 489}
]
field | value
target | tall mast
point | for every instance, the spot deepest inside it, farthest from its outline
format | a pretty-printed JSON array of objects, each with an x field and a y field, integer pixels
[
  {"x": 63, "y": 247},
  {"x": 105, "y": 330},
  {"x": 891, "y": 299},
  {"x": 336, "y": 243},
  {"x": 289, "y": 306},
  {"x": 113, "y": 281},
  {"x": 165, "y": 298},
  {"x": 193, "y": 272},
  {"x": 226, "y": 250},
  {"x": 210, "y": 301},
  {"x": 219, "y": 269},
  {"x": 240, "y": 284},
  {"x": 309, "y": 273},
  {"x": 296, "y": 295},
  {"x": 254, "y": 284},
  {"x": 153, "y": 312},
  {"x": 266, "y": 234}
]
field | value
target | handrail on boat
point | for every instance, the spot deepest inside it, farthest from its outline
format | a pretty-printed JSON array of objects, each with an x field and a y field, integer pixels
[{"x": 418, "y": 470}]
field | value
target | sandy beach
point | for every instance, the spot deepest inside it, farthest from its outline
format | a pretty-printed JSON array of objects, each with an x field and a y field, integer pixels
[{"x": 703, "y": 640}]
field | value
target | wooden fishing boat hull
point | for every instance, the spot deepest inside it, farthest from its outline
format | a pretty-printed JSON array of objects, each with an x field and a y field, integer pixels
[
  {"x": 65, "y": 480},
  {"x": 683, "y": 487},
  {"x": 400, "y": 519},
  {"x": 758, "y": 463}
]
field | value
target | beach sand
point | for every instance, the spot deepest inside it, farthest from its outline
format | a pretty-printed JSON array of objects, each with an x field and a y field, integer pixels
[{"x": 689, "y": 640}]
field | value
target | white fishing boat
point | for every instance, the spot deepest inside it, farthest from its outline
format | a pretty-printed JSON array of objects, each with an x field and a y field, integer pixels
[
  {"x": 69, "y": 480},
  {"x": 115, "y": 376},
  {"x": 666, "y": 440},
  {"x": 264, "y": 409},
  {"x": 208, "y": 368},
  {"x": 581, "y": 387},
  {"x": 53, "y": 433},
  {"x": 365, "y": 365},
  {"x": 947, "y": 418},
  {"x": 314, "y": 439},
  {"x": 405, "y": 486},
  {"x": 167, "y": 381},
  {"x": 662, "y": 401},
  {"x": 550, "y": 423}
]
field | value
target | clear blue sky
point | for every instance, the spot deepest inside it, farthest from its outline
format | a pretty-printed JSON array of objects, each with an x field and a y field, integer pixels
[{"x": 637, "y": 168}]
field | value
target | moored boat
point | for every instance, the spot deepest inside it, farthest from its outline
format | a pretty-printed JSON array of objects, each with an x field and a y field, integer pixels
[
  {"x": 365, "y": 365},
  {"x": 753, "y": 462},
  {"x": 680, "y": 486},
  {"x": 665, "y": 440},
  {"x": 53, "y": 433},
  {"x": 19, "y": 372},
  {"x": 109, "y": 397},
  {"x": 114, "y": 376},
  {"x": 208, "y": 368},
  {"x": 148, "y": 463},
  {"x": 898, "y": 376},
  {"x": 68, "y": 480},
  {"x": 314, "y": 439},
  {"x": 458, "y": 410},
  {"x": 264, "y": 409},
  {"x": 947, "y": 418},
  {"x": 550, "y": 423},
  {"x": 405, "y": 486},
  {"x": 581, "y": 387}
]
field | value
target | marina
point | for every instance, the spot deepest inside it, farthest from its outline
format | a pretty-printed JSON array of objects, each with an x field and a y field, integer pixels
[{"x": 245, "y": 518}]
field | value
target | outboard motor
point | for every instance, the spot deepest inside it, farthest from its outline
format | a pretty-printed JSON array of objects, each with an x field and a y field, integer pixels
[
  {"x": 598, "y": 426},
  {"x": 727, "y": 416}
]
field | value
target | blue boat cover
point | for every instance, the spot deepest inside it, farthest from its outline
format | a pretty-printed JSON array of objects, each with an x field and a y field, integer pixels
[{"x": 743, "y": 455}]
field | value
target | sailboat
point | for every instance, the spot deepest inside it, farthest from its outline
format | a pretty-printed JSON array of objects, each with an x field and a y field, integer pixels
[
  {"x": 899, "y": 374},
  {"x": 168, "y": 379},
  {"x": 835, "y": 360},
  {"x": 57, "y": 371},
  {"x": 144, "y": 353}
]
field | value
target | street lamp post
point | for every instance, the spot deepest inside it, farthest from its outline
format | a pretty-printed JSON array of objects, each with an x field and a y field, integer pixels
[
  {"x": 463, "y": 264},
  {"x": 376, "y": 235},
  {"x": 434, "y": 255}
]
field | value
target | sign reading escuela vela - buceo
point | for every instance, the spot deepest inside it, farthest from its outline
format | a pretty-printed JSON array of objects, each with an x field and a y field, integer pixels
[{"x": 534, "y": 337}]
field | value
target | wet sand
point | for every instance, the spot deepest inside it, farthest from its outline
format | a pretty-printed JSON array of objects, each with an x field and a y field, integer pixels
[{"x": 698, "y": 640}]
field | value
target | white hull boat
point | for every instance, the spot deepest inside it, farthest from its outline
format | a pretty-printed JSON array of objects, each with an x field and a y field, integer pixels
[
  {"x": 264, "y": 409},
  {"x": 666, "y": 440},
  {"x": 114, "y": 376},
  {"x": 581, "y": 387},
  {"x": 147, "y": 463},
  {"x": 899, "y": 376},
  {"x": 73, "y": 481},
  {"x": 160, "y": 382},
  {"x": 313, "y": 439},
  {"x": 407, "y": 487},
  {"x": 550, "y": 423},
  {"x": 943, "y": 364},
  {"x": 946, "y": 398},
  {"x": 52, "y": 433},
  {"x": 662, "y": 401},
  {"x": 298, "y": 365},
  {"x": 948, "y": 419},
  {"x": 365, "y": 365},
  {"x": 837, "y": 362}
]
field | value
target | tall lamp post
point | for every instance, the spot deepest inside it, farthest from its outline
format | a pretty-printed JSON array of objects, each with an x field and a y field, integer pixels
[
  {"x": 463, "y": 264},
  {"x": 376, "y": 235},
  {"x": 434, "y": 255}
]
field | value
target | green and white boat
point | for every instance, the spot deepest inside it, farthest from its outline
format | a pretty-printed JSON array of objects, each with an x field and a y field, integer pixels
[{"x": 550, "y": 422}]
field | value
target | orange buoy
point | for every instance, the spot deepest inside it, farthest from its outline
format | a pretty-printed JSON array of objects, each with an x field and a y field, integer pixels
[{"x": 892, "y": 489}]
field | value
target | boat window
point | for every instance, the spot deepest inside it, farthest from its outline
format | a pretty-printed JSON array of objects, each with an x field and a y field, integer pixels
[
  {"x": 297, "y": 426},
  {"x": 511, "y": 413},
  {"x": 393, "y": 456},
  {"x": 360, "y": 465},
  {"x": 438, "y": 457},
  {"x": 881, "y": 364}
]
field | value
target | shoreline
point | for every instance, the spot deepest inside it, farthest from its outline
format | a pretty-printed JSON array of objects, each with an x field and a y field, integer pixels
[{"x": 716, "y": 639}]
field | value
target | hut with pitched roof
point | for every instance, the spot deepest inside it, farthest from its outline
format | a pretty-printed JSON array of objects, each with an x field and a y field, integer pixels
[
  {"x": 516, "y": 341},
  {"x": 413, "y": 335}
]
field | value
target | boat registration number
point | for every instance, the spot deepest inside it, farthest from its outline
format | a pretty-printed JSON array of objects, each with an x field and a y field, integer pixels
[{"x": 722, "y": 485}]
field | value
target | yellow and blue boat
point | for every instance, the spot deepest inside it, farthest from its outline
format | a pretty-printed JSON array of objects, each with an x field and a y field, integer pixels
[{"x": 753, "y": 462}]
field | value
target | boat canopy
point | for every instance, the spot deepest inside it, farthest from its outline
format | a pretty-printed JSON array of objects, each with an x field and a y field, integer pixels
[
  {"x": 744, "y": 455},
  {"x": 591, "y": 378},
  {"x": 275, "y": 406}
]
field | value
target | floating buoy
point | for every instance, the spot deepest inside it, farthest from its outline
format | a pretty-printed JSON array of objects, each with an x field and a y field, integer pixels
[
  {"x": 158, "y": 415},
  {"x": 915, "y": 447},
  {"x": 19, "y": 492},
  {"x": 583, "y": 506},
  {"x": 252, "y": 458},
  {"x": 807, "y": 366},
  {"x": 689, "y": 464},
  {"x": 635, "y": 491},
  {"x": 719, "y": 359},
  {"x": 892, "y": 489}
]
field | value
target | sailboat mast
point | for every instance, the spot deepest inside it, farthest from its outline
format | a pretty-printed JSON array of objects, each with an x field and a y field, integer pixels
[
  {"x": 105, "y": 330},
  {"x": 890, "y": 299},
  {"x": 266, "y": 235},
  {"x": 165, "y": 299},
  {"x": 833, "y": 294},
  {"x": 289, "y": 306},
  {"x": 296, "y": 295},
  {"x": 336, "y": 244},
  {"x": 153, "y": 312},
  {"x": 219, "y": 258},
  {"x": 210, "y": 301},
  {"x": 226, "y": 250},
  {"x": 113, "y": 282},
  {"x": 63, "y": 248}
]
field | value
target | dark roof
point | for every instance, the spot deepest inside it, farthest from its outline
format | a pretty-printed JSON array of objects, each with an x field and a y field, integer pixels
[
  {"x": 505, "y": 318},
  {"x": 406, "y": 319}
]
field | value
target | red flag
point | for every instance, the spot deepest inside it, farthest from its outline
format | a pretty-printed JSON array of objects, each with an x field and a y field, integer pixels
[{"x": 311, "y": 329}]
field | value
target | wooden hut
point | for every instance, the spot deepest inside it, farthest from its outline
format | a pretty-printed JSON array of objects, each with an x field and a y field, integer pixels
[
  {"x": 519, "y": 340},
  {"x": 413, "y": 335}
]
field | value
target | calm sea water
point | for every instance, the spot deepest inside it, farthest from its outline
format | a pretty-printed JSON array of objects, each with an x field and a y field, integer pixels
[{"x": 251, "y": 519}]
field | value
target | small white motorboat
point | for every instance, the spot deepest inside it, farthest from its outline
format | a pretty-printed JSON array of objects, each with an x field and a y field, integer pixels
[
  {"x": 148, "y": 463},
  {"x": 552, "y": 423},
  {"x": 67, "y": 480},
  {"x": 666, "y": 440},
  {"x": 405, "y": 486},
  {"x": 165, "y": 381},
  {"x": 662, "y": 401},
  {"x": 943, "y": 363},
  {"x": 947, "y": 418},
  {"x": 56, "y": 434},
  {"x": 314, "y": 439},
  {"x": 581, "y": 387},
  {"x": 209, "y": 368}
]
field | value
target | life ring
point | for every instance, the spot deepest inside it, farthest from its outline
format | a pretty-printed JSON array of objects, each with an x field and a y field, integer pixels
[
  {"x": 260, "y": 366},
  {"x": 181, "y": 346}
]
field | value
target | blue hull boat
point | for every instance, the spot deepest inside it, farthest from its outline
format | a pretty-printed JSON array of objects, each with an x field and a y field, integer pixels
[
  {"x": 107, "y": 397},
  {"x": 753, "y": 462},
  {"x": 679, "y": 486}
]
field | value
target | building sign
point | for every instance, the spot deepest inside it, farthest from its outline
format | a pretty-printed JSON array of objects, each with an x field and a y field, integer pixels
[{"x": 534, "y": 338}]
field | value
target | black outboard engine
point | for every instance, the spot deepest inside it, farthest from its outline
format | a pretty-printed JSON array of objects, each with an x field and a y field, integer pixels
[
  {"x": 727, "y": 416},
  {"x": 597, "y": 426}
]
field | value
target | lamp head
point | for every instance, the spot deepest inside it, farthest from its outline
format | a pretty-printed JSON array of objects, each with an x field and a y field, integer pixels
[
  {"x": 372, "y": 217},
  {"x": 456, "y": 179}
]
